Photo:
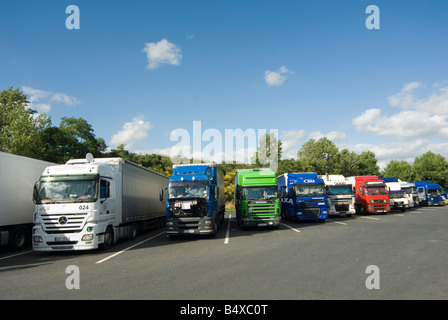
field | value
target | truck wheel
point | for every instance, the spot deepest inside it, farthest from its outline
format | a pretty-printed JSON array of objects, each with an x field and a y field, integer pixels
[
  {"x": 108, "y": 239},
  {"x": 18, "y": 238}
]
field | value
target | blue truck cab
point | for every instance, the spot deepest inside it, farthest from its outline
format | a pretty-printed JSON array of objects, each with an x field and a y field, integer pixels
[
  {"x": 429, "y": 193},
  {"x": 304, "y": 197},
  {"x": 195, "y": 200}
]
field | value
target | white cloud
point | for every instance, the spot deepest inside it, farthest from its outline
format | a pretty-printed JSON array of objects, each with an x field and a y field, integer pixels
[
  {"x": 386, "y": 152},
  {"x": 131, "y": 132},
  {"x": 162, "y": 52},
  {"x": 291, "y": 142},
  {"x": 35, "y": 96},
  {"x": 65, "y": 99},
  {"x": 276, "y": 78},
  {"x": 436, "y": 103},
  {"x": 334, "y": 136},
  {"x": 405, "y": 125},
  {"x": 419, "y": 118}
]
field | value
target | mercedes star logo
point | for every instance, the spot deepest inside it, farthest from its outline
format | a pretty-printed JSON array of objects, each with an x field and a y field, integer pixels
[{"x": 62, "y": 220}]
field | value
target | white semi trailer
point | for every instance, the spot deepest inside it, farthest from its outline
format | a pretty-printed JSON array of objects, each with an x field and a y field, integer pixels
[
  {"x": 90, "y": 203},
  {"x": 17, "y": 176}
]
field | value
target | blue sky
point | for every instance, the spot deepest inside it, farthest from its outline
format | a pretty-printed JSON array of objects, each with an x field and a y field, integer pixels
[{"x": 137, "y": 70}]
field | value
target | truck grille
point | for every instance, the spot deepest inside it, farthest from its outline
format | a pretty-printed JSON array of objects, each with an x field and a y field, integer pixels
[
  {"x": 63, "y": 223},
  {"x": 262, "y": 212},
  {"x": 342, "y": 207},
  {"x": 312, "y": 212},
  {"x": 188, "y": 223}
]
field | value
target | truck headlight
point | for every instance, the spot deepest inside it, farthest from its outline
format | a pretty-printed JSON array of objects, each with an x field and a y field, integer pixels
[
  {"x": 37, "y": 239},
  {"x": 87, "y": 237}
]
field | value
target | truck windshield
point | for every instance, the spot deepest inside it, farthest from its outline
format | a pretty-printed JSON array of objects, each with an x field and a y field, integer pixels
[
  {"x": 309, "y": 190},
  {"x": 259, "y": 193},
  {"x": 434, "y": 192},
  {"x": 378, "y": 190},
  {"x": 68, "y": 189},
  {"x": 333, "y": 190},
  {"x": 188, "y": 189},
  {"x": 407, "y": 190},
  {"x": 396, "y": 194}
]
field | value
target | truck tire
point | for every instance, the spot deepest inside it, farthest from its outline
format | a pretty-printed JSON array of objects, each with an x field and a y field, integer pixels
[
  {"x": 108, "y": 239},
  {"x": 18, "y": 237}
]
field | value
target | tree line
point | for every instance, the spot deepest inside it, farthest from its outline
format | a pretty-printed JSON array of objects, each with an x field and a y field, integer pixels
[{"x": 25, "y": 132}]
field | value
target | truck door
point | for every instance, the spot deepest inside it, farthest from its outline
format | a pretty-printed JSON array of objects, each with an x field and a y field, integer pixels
[
  {"x": 107, "y": 198},
  {"x": 421, "y": 194}
]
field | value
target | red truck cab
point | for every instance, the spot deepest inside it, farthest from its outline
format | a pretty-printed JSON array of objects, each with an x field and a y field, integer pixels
[{"x": 371, "y": 195}]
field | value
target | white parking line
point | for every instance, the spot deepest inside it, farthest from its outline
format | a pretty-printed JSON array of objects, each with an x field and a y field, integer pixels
[
  {"x": 338, "y": 222},
  {"x": 226, "y": 241},
  {"x": 294, "y": 229},
  {"x": 119, "y": 252},
  {"x": 17, "y": 254},
  {"x": 371, "y": 218}
]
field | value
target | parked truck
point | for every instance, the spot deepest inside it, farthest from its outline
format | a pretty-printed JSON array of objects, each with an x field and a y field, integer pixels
[
  {"x": 303, "y": 197},
  {"x": 410, "y": 192},
  {"x": 196, "y": 200},
  {"x": 17, "y": 175},
  {"x": 90, "y": 203},
  {"x": 397, "y": 197},
  {"x": 256, "y": 199},
  {"x": 430, "y": 194},
  {"x": 371, "y": 194},
  {"x": 341, "y": 198}
]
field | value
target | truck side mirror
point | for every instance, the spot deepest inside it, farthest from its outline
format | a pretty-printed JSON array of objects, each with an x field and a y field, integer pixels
[
  {"x": 161, "y": 194},
  {"x": 35, "y": 191}
]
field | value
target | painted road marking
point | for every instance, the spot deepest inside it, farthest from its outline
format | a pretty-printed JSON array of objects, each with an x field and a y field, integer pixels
[
  {"x": 226, "y": 241},
  {"x": 17, "y": 254},
  {"x": 371, "y": 218},
  {"x": 128, "y": 248},
  {"x": 294, "y": 229},
  {"x": 338, "y": 222}
]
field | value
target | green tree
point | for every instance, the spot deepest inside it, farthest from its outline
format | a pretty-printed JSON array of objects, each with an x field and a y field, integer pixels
[
  {"x": 269, "y": 149},
  {"x": 74, "y": 138},
  {"x": 401, "y": 169},
  {"x": 288, "y": 165},
  {"x": 82, "y": 138},
  {"x": 321, "y": 156},
  {"x": 432, "y": 167},
  {"x": 367, "y": 164},
  {"x": 20, "y": 126},
  {"x": 348, "y": 162}
]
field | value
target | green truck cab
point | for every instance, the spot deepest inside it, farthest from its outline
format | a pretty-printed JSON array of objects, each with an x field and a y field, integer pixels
[{"x": 256, "y": 199}]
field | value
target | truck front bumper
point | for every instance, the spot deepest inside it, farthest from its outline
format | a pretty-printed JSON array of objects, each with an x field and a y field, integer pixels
[
  {"x": 190, "y": 225},
  {"x": 65, "y": 241},
  {"x": 256, "y": 221}
]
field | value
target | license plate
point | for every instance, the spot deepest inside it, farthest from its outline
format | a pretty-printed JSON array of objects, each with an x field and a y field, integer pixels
[
  {"x": 61, "y": 239},
  {"x": 189, "y": 231},
  {"x": 262, "y": 224}
]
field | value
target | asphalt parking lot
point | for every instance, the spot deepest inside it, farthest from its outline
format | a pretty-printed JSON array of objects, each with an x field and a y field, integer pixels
[{"x": 393, "y": 256}]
